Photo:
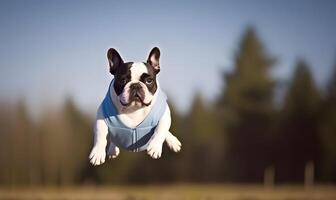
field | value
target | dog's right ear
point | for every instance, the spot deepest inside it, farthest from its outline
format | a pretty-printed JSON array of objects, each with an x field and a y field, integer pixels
[{"x": 114, "y": 60}]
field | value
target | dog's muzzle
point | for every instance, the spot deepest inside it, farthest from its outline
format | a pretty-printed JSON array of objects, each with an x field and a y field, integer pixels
[{"x": 136, "y": 94}]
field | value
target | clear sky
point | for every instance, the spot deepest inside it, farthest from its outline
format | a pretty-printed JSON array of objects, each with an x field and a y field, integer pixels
[{"x": 51, "y": 49}]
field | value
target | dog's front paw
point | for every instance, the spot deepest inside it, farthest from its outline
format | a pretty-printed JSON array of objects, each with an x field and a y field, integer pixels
[
  {"x": 113, "y": 151},
  {"x": 97, "y": 155},
  {"x": 154, "y": 149}
]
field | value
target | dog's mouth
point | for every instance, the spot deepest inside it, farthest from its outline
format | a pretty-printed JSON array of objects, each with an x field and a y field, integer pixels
[{"x": 136, "y": 99}]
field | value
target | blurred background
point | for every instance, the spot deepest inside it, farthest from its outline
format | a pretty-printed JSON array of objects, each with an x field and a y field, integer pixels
[{"x": 251, "y": 86}]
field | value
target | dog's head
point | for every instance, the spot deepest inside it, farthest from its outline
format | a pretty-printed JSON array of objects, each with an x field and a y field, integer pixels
[{"x": 134, "y": 82}]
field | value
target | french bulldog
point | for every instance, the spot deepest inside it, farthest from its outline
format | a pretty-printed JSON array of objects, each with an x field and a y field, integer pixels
[{"x": 134, "y": 114}]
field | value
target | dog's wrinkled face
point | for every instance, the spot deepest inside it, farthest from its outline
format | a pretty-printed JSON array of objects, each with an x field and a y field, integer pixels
[{"x": 134, "y": 82}]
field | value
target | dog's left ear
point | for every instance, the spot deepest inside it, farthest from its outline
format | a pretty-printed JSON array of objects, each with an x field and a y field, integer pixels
[
  {"x": 114, "y": 59},
  {"x": 154, "y": 59}
]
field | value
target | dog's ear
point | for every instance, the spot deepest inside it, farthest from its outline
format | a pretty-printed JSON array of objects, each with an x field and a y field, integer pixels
[
  {"x": 154, "y": 59},
  {"x": 114, "y": 60}
]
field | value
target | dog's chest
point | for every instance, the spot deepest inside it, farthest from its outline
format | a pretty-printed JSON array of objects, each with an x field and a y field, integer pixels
[{"x": 135, "y": 118}]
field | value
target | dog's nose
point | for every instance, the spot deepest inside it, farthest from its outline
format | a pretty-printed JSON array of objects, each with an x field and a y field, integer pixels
[
  {"x": 135, "y": 86},
  {"x": 135, "y": 89}
]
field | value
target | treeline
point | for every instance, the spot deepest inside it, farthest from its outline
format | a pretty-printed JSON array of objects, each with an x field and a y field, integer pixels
[{"x": 237, "y": 138}]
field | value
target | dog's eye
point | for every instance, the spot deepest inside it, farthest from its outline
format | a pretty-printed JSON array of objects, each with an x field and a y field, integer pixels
[{"x": 149, "y": 80}]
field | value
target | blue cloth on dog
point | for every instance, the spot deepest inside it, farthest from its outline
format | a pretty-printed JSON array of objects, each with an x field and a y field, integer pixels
[{"x": 133, "y": 139}]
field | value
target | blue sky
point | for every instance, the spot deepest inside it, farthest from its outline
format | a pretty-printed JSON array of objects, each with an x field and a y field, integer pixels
[{"x": 51, "y": 49}]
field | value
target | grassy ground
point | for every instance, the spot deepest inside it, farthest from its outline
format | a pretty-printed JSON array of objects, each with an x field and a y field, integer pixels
[{"x": 174, "y": 192}]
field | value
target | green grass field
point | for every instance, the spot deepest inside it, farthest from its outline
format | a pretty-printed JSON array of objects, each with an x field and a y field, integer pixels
[{"x": 173, "y": 192}]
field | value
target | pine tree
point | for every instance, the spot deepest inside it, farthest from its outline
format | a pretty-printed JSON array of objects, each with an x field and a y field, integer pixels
[
  {"x": 7, "y": 126},
  {"x": 298, "y": 141},
  {"x": 77, "y": 139},
  {"x": 198, "y": 121},
  {"x": 328, "y": 130},
  {"x": 197, "y": 134},
  {"x": 65, "y": 141},
  {"x": 203, "y": 143},
  {"x": 246, "y": 109},
  {"x": 20, "y": 146}
]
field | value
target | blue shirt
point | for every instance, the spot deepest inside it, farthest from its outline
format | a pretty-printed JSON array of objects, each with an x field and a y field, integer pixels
[{"x": 133, "y": 139}]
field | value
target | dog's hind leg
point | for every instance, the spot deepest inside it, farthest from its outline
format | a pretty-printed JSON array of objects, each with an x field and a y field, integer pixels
[
  {"x": 173, "y": 143},
  {"x": 113, "y": 151}
]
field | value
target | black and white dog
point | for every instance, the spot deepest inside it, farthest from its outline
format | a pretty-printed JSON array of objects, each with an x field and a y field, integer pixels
[{"x": 135, "y": 94}]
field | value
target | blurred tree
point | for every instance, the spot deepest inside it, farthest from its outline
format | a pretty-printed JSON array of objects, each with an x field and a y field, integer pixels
[
  {"x": 202, "y": 151},
  {"x": 7, "y": 120},
  {"x": 298, "y": 136},
  {"x": 77, "y": 139},
  {"x": 328, "y": 130},
  {"x": 175, "y": 161},
  {"x": 20, "y": 146},
  {"x": 65, "y": 143},
  {"x": 33, "y": 148},
  {"x": 52, "y": 146},
  {"x": 246, "y": 108}
]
